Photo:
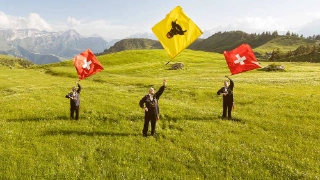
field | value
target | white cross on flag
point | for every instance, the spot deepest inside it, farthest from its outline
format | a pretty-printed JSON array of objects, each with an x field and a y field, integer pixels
[
  {"x": 86, "y": 64},
  {"x": 241, "y": 59}
]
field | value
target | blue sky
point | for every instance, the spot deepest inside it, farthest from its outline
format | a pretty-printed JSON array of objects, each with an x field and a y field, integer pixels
[{"x": 114, "y": 19}]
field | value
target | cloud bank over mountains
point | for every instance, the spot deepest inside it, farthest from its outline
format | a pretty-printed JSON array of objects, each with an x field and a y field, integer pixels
[
  {"x": 307, "y": 24},
  {"x": 33, "y": 21}
]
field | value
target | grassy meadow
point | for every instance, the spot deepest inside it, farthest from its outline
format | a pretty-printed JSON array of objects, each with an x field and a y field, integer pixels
[{"x": 275, "y": 133}]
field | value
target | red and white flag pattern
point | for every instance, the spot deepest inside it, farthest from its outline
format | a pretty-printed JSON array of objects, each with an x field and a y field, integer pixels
[
  {"x": 86, "y": 64},
  {"x": 241, "y": 59}
]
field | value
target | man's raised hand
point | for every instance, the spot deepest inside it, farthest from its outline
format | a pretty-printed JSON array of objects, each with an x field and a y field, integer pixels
[{"x": 164, "y": 82}]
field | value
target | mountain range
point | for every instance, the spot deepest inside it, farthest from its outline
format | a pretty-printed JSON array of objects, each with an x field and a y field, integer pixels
[{"x": 42, "y": 47}]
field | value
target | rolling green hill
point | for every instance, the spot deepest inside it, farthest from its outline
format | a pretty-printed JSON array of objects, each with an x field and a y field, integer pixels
[
  {"x": 284, "y": 43},
  {"x": 260, "y": 43},
  {"x": 12, "y": 62},
  {"x": 222, "y": 41},
  {"x": 274, "y": 133},
  {"x": 131, "y": 44}
]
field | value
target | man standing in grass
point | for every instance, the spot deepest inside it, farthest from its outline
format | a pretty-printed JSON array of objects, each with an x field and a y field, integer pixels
[
  {"x": 149, "y": 103},
  {"x": 227, "y": 92},
  {"x": 74, "y": 97}
]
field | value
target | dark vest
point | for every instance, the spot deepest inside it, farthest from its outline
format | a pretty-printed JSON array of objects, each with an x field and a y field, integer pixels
[{"x": 152, "y": 105}]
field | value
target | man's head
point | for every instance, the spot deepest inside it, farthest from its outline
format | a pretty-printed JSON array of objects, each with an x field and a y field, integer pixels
[
  {"x": 226, "y": 84},
  {"x": 74, "y": 88},
  {"x": 151, "y": 91}
]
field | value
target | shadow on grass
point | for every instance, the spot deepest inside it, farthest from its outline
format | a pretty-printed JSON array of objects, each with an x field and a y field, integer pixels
[
  {"x": 203, "y": 118},
  {"x": 36, "y": 119},
  {"x": 84, "y": 133},
  {"x": 238, "y": 120}
]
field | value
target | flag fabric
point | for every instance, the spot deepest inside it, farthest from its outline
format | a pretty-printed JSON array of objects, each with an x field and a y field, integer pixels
[
  {"x": 241, "y": 59},
  {"x": 86, "y": 64},
  {"x": 176, "y": 32}
]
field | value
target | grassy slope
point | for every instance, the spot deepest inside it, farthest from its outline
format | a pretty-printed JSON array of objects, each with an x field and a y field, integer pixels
[
  {"x": 13, "y": 62},
  {"x": 284, "y": 43},
  {"x": 275, "y": 134}
]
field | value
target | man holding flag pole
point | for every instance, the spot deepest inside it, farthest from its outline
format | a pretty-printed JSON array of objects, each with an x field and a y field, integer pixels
[
  {"x": 228, "y": 103},
  {"x": 86, "y": 65},
  {"x": 240, "y": 59},
  {"x": 74, "y": 97}
]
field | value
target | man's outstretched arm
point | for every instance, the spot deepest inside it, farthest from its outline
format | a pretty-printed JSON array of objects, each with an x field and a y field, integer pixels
[
  {"x": 160, "y": 91},
  {"x": 231, "y": 83}
]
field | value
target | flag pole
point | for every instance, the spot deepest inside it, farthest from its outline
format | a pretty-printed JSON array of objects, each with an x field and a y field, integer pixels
[{"x": 168, "y": 61}]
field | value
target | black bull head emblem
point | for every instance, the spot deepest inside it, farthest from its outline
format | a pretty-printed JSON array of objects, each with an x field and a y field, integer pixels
[{"x": 175, "y": 29}]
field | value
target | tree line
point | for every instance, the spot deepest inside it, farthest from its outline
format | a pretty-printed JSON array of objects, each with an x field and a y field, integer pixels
[{"x": 302, "y": 53}]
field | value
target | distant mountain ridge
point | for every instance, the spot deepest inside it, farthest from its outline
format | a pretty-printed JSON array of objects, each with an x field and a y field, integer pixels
[
  {"x": 38, "y": 58},
  {"x": 51, "y": 46},
  {"x": 264, "y": 43}
]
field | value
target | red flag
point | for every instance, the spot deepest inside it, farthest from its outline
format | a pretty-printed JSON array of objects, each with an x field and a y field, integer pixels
[
  {"x": 241, "y": 59},
  {"x": 86, "y": 64}
]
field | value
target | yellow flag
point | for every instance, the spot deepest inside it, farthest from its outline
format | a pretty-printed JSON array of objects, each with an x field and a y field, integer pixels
[{"x": 176, "y": 32}]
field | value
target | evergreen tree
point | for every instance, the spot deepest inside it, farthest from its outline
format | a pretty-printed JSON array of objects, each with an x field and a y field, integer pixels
[
  {"x": 308, "y": 49},
  {"x": 300, "y": 50},
  {"x": 314, "y": 49},
  {"x": 275, "y": 33}
]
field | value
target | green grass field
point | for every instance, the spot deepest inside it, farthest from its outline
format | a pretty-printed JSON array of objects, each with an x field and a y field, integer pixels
[{"x": 274, "y": 134}]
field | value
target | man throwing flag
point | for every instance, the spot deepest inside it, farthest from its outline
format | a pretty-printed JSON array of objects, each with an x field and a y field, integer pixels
[
  {"x": 149, "y": 104},
  {"x": 74, "y": 97},
  {"x": 227, "y": 92}
]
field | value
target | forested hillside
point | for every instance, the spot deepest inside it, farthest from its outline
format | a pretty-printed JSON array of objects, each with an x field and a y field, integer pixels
[{"x": 131, "y": 44}]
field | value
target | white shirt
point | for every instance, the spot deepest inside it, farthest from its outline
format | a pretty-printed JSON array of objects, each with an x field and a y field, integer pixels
[
  {"x": 225, "y": 89},
  {"x": 151, "y": 97}
]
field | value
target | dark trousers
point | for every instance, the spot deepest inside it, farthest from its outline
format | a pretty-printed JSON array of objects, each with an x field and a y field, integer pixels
[
  {"x": 74, "y": 109},
  {"x": 227, "y": 106},
  {"x": 147, "y": 119}
]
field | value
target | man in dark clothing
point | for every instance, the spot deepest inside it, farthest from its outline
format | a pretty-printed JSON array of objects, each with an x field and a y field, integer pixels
[
  {"x": 149, "y": 103},
  {"x": 227, "y": 93},
  {"x": 74, "y": 97}
]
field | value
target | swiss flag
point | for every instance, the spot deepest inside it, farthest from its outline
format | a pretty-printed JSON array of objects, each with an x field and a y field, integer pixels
[
  {"x": 241, "y": 59},
  {"x": 86, "y": 64}
]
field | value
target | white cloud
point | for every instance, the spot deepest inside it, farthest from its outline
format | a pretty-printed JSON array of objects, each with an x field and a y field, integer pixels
[
  {"x": 84, "y": 27},
  {"x": 298, "y": 23},
  {"x": 4, "y": 20},
  {"x": 311, "y": 28},
  {"x": 102, "y": 27},
  {"x": 315, "y": 15},
  {"x": 72, "y": 22},
  {"x": 32, "y": 21},
  {"x": 254, "y": 25},
  {"x": 35, "y": 21}
]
